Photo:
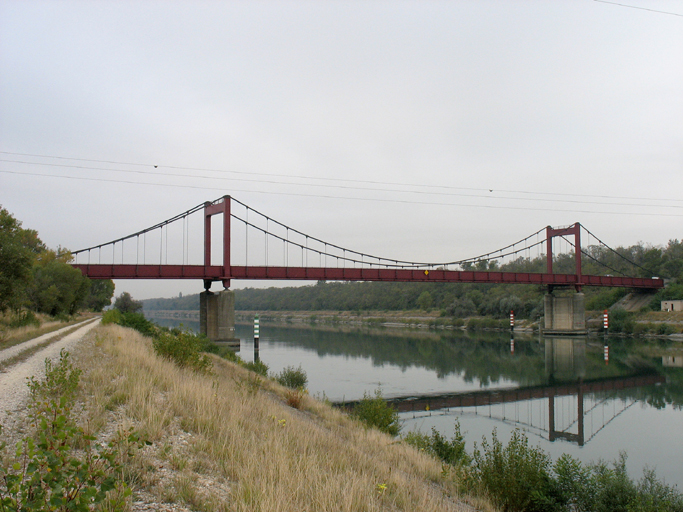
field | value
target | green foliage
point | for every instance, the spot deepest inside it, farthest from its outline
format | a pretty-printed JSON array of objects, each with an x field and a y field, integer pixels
[
  {"x": 100, "y": 294},
  {"x": 258, "y": 367},
  {"x": 57, "y": 288},
  {"x": 604, "y": 298},
  {"x": 672, "y": 292},
  {"x": 291, "y": 377},
  {"x": 516, "y": 476},
  {"x": 138, "y": 322},
  {"x": 135, "y": 321},
  {"x": 374, "y": 412},
  {"x": 126, "y": 304},
  {"x": 184, "y": 348},
  {"x": 621, "y": 320},
  {"x": 451, "y": 452},
  {"x": 48, "y": 473},
  {"x": 18, "y": 247},
  {"x": 61, "y": 380},
  {"x": 424, "y": 301},
  {"x": 23, "y": 318},
  {"x": 112, "y": 316},
  {"x": 665, "y": 329}
]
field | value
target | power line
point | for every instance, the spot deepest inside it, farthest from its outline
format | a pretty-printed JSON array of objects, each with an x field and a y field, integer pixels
[
  {"x": 347, "y": 180},
  {"x": 344, "y": 187},
  {"x": 639, "y": 8},
  {"x": 366, "y": 199}
]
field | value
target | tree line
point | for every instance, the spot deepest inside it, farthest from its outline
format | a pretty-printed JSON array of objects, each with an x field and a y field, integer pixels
[
  {"x": 36, "y": 278},
  {"x": 467, "y": 299},
  {"x": 461, "y": 300}
]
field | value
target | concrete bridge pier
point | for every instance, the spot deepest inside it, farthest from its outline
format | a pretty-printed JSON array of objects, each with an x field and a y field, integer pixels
[
  {"x": 217, "y": 316},
  {"x": 565, "y": 314}
]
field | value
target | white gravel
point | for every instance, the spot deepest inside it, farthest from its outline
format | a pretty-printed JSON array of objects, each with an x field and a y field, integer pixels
[{"x": 13, "y": 389}]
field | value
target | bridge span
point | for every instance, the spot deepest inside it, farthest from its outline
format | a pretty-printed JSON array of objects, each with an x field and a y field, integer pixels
[{"x": 563, "y": 314}]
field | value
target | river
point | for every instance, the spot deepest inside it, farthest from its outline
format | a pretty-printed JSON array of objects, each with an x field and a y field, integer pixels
[{"x": 569, "y": 395}]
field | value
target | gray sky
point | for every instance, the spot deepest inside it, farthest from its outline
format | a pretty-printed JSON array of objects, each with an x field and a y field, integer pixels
[{"x": 479, "y": 122}]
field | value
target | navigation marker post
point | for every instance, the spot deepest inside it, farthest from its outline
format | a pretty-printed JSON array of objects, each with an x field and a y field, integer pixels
[
  {"x": 256, "y": 338},
  {"x": 605, "y": 330}
]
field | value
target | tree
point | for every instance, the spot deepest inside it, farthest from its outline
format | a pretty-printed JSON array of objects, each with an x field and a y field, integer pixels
[
  {"x": 424, "y": 301},
  {"x": 57, "y": 288},
  {"x": 100, "y": 294},
  {"x": 17, "y": 251},
  {"x": 126, "y": 304}
]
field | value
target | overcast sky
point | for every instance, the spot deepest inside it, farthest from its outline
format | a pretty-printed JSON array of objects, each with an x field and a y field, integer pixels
[{"x": 477, "y": 122}]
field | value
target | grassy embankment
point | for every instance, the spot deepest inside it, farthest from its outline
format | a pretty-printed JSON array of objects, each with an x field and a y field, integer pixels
[
  {"x": 227, "y": 440},
  {"x": 13, "y": 332}
]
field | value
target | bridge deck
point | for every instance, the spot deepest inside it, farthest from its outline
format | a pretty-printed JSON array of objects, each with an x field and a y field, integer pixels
[{"x": 216, "y": 273}]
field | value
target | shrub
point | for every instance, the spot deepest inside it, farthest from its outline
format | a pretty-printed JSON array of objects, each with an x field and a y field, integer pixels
[
  {"x": 612, "y": 488},
  {"x": 621, "y": 320},
  {"x": 295, "y": 397},
  {"x": 291, "y": 377},
  {"x": 184, "y": 349},
  {"x": 474, "y": 323},
  {"x": 23, "y": 319},
  {"x": 138, "y": 322},
  {"x": 665, "y": 329},
  {"x": 451, "y": 452},
  {"x": 258, "y": 367},
  {"x": 48, "y": 473},
  {"x": 112, "y": 316},
  {"x": 516, "y": 477},
  {"x": 374, "y": 412},
  {"x": 135, "y": 321}
]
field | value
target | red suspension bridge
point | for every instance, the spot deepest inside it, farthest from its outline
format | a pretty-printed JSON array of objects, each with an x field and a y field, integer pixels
[{"x": 272, "y": 250}]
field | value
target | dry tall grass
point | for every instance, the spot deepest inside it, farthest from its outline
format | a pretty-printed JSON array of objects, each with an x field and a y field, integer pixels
[
  {"x": 229, "y": 441},
  {"x": 10, "y": 336}
]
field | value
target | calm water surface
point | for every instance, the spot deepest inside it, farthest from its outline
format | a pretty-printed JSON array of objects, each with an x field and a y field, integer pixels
[{"x": 564, "y": 393}]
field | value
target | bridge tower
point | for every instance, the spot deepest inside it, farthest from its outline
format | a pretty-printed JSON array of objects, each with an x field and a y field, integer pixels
[
  {"x": 217, "y": 310},
  {"x": 565, "y": 312}
]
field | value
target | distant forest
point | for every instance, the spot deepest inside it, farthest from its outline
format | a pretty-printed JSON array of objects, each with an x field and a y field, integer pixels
[{"x": 464, "y": 300}]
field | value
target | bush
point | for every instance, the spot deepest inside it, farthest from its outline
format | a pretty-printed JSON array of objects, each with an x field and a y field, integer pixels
[
  {"x": 621, "y": 320},
  {"x": 516, "y": 477},
  {"x": 291, "y": 377},
  {"x": 138, "y": 322},
  {"x": 135, "y": 321},
  {"x": 23, "y": 319},
  {"x": 665, "y": 329},
  {"x": 258, "y": 367},
  {"x": 451, "y": 452},
  {"x": 374, "y": 412},
  {"x": 184, "y": 349},
  {"x": 48, "y": 472}
]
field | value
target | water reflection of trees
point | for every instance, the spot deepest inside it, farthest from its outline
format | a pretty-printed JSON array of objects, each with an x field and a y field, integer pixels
[{"x": 487, "y": 358}]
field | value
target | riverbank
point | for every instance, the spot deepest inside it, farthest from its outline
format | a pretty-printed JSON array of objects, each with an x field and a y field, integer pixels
[
  {"x": 414, "y": 319},
  {"x": 228, "y": 440},
  {"x": 653, "y": 324}
]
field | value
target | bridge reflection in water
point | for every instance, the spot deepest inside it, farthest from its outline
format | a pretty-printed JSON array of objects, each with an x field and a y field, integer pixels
[{"x": 568, "y": 407}]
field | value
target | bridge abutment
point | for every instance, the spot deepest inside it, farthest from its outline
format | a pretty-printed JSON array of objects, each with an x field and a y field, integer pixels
[
  {"x": 217, "y": 316},
  {"x": 565, "y": 314}
]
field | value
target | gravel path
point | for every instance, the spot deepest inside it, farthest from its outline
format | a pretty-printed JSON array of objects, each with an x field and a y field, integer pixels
[{"x": 13, "y": 389}]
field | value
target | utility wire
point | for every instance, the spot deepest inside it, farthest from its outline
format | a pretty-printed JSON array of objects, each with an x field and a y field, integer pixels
[
  {"x": 324, "y": 196},
  {"x": 345, "y": 187},
  {"x": 423, "y": 185},
  {"x": 640, "y": 8}
]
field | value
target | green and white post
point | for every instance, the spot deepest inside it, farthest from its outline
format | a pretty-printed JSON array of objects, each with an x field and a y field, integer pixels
[{"x": 256, "y": 338}]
